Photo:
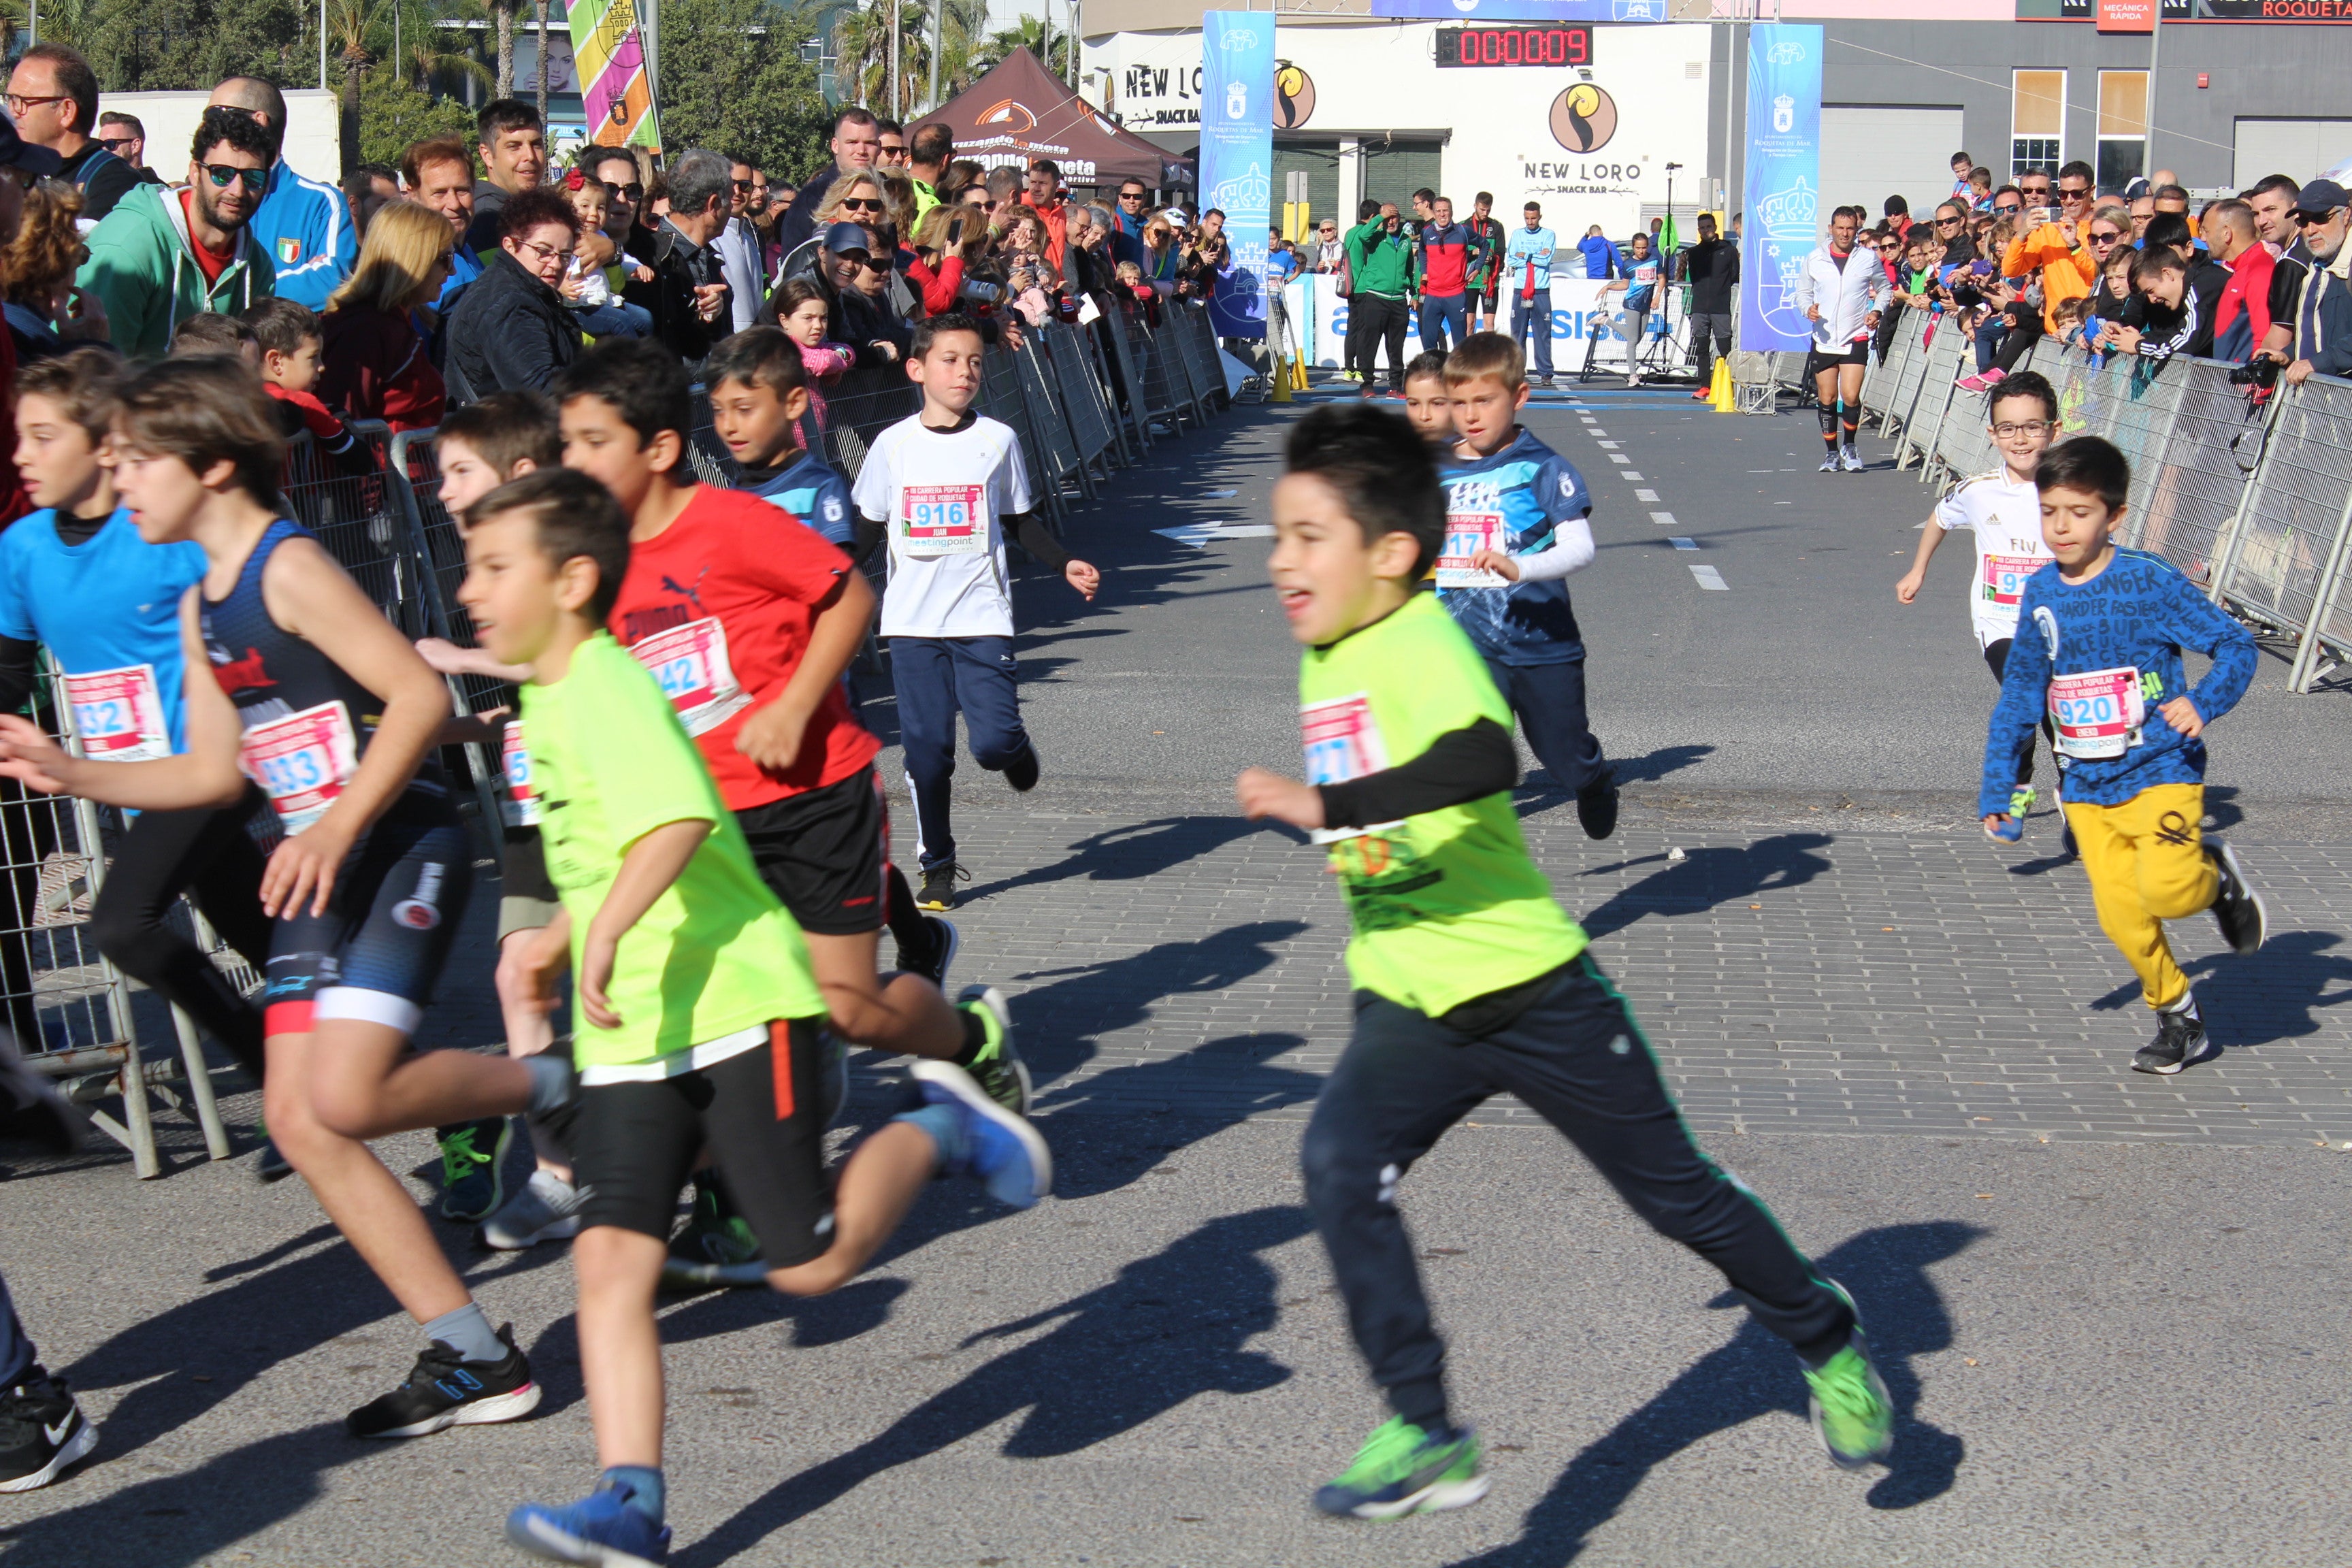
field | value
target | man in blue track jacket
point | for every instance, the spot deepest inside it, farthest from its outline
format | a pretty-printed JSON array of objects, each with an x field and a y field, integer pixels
[{"x": 304, "y": 224}]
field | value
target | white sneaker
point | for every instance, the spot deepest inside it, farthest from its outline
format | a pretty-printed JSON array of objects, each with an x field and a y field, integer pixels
[
  {"x": 547, "y": 1209},
  {"x": 1850, "y": 460},
  {"x": 1829, "y": 464}
]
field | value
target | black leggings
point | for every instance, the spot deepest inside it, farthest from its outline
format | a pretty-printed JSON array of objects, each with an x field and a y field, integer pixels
[
  {"x": 1997, "y": 656},
  {"x": 211, "y": 855},
  {"x": 29, "y": 830},
  {"x": 2025, "y": 330}
]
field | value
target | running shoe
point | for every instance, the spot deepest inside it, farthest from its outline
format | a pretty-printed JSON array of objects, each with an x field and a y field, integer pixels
[
  {"x": 945, "y": 941},
  {"x": 938, "y": 891},
  {"x": 472, "y": 1187},
  {"x": 32, "y": 1109},
  {"x": 1976, "y": 383},
  {"x": 1850, "y": 460},
  {"x": 1830, "y": 463},
  {"x": 2237, "y": 907},
  {"x": 42, "y": 1431},
  {"x": 1596, "y": 805},
  {"x": 1021, "y": 772},
  {"x": 1403, "y": 1470},
  {"x": 547, "y": 1209},
  {"x": 1546, "y": 382},
  {"x": 715, "y": 1250},
  {"x": 1002, "y": 1150},
  {"x": 1994, "y": 377},
  {"x": 998, "y": 1068},
  {"x": 601, "y": 1529},
  {"x": 2021, "y": 801},
  {"x": 1633, "y": 381},
  {"x": 273, "y": 1165},
  {"x": 2180, "y": 1042},
  {"x": 1853, "y": 1415},
  {"x": 444, "y": 1390}
]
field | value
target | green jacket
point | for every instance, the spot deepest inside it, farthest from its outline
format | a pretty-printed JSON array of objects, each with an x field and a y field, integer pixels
[
  {"x": 1378, "y": 263},
  {"x": 142, "y": 271}
]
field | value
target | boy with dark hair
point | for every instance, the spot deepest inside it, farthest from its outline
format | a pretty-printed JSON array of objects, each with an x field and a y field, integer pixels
[
  {"x": 212, "y": 335},
  {"x": 1516, "y": 523},
  {"x": 1429, "y": 402},
  {"x": 696, "y": 1001},
  {"x": 2002, "y": 512},
  {"x": 749, "y": 621},
  {"x": 946, "y": 487},
  {"x": 289, "y": 340},
  {"x": 2105, "y": 628},
  {"x": 1471, "y": 980}
]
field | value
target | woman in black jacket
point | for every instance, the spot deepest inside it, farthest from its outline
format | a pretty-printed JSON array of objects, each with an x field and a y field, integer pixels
[{"x": 512, "y": 332}]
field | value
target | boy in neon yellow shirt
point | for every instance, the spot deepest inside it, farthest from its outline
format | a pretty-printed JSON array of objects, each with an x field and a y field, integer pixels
[
  {"x": 1470, "y": 980},
  {"x": 697, "y": 1014}
]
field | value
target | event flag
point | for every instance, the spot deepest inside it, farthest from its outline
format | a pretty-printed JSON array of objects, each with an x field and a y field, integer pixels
[{"x": 615, "y": 88}]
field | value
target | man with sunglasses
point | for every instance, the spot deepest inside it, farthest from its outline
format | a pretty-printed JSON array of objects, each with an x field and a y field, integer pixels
[
  {"x": 304, "y": 224},
  {"x": 737, "y": 245},
  {"x": 1127, "y": 222},
  {"x": 53, "y": 98},
  {"x": 2322, "y": 320},
  {"x": 2046, "y": 242},
  {"x": 167, "y": 253},
  {"x": 124, "y": 136}
]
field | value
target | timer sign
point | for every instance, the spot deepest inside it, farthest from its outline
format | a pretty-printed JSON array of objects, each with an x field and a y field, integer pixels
[{"x": 1537, "y": 45}]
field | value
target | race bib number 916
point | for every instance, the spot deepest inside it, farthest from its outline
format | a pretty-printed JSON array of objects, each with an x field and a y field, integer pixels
[
  {"x": 2098, "y": 714},
  {"x": 943, "y": 520},
  {"x": 2005, "y": 575}
]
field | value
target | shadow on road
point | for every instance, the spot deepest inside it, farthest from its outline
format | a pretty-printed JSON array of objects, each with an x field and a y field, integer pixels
[
  {"x": 1754, "y": 1375},
  {"x": 1132, "y": 852},
  {"x": 2273, "y": 994},
  {"x": 1170, "y": 1327},
  {"x": 1711, "y": 875}
]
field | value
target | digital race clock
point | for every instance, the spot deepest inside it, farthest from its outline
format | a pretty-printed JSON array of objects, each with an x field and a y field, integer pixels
[{"x": 1532, "y": 46}]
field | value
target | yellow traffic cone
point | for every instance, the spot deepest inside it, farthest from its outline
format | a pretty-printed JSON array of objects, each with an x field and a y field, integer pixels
[
  {"x": 1719, "y": 394},
  {"x": 1279, "y": 377},
  {"x": 1299, "y": 372}
]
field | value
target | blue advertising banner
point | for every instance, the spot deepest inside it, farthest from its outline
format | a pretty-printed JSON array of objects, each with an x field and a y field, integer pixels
[
  {"x": 1237, "y": 158},
  {"x": 1524, "y": 10},
  {"x": 1783, "y": 186}
]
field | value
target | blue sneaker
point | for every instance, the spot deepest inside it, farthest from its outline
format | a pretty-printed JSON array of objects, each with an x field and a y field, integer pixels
[
  {"x": 1003, "y": 1149},
  {"x": 600, "y": 1529}
]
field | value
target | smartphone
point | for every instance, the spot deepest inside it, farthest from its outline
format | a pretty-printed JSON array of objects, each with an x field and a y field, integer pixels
[{"x": 955, "y": 231}]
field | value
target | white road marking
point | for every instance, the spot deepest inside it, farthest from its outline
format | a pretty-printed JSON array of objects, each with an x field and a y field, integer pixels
[
  {"x": 1643, "y": 495},
  {"x": 1606, "y": 445},
  {"x": 1662, "y": 518},
  {"x": 1199, "y": 534},
  {"x": 1619, "y": 457},
  {"x": 1630, "y": 474},
  {"x": 1220, "y": 495},
  {"x": 1708, "y": 577}
]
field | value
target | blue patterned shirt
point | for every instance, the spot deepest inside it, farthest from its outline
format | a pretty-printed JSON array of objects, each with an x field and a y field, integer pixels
[{"x": 1528, "y": 490}]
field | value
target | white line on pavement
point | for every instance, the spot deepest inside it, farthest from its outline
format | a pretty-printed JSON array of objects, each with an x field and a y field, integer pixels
[
  {"x": 1679, "y": 542},
  {"x": 1630, "y": 474},
  {"x": 1619, "y": 457},
  {"x": 1643, "y": 495},
  {"x": 1662, "y": 518},
  {"x": 1708, "y": 577},
  {"x": 1199, "y": 534}
]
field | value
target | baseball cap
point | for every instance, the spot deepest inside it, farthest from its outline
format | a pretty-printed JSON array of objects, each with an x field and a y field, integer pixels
[
  {"x": 2319, "y": 198},
  {"x": 844, "y": 237},
  {"x": 16, "y": 153}
]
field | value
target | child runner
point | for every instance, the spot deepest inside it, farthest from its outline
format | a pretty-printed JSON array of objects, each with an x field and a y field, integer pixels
[
  {"x": 479, "y": 448},
  {"x": 949, "y": 487},
  {"x": 1517, "y": 522},
  {"x": 1429, "y": 402},
  {"x": 2103, "y": 629},
  {"x": 1471, "y": 980},
  {"x": 288, "y": 335},
  {"x": 697, "y": 1004},
  {"x": 336, "y": 713},
  {"x": 2003, "y": 511},
  {"x": 79, "y": 578}
]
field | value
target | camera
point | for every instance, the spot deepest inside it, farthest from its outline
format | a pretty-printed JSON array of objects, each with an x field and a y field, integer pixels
[{"x": 2261, "y": 374}]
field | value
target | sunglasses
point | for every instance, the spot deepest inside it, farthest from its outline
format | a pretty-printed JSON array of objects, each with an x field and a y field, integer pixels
[
  {"x": 2012, "y": 208},
  {"x": 874, "y": 264},
  {"x": 2082, "y": 195},
  {"x": 2035, "y": 193},
  {"x": 621, "y": 193},
  {"x": 2109, "y": 237},
  {"x": 222, "y": 174},
  {"x": 1948, "y": 223},
  {"x": 1130, "y": 195},
  {"x": 860, "y": 204},
  {"x": 2314, "y": 220},
  {"x": 114, "y": 143}
]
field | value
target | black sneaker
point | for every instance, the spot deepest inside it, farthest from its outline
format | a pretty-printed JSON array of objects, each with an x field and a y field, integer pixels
[
  {"x": 272, "y": 1166},
  {"x": 444, "y": 1389},
  {"x": 938, "y": 891},
  {"x": 2237, "y": 907},
  {"x": 1021, "y": 772},
  {"x": 32, "y": 1109},
  {"x": 42, "y": 1431},
  {"x": 2180, "y": 1042},
  {"x": 933, "y": 967},
  {"x": 473, "y": 1187},
  {"x": 1596, "y": 805}
]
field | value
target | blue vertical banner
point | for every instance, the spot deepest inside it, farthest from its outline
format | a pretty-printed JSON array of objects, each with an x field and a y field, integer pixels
[
  {"x": 1783, "y": 184},
  {"x": 1237, "y": 158}
]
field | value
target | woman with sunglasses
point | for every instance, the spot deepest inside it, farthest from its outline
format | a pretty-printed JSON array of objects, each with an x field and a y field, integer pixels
[{"x": 376, "y": 365}]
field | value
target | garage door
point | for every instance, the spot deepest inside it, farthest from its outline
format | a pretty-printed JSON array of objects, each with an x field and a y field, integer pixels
[
  {"x": 2300, "y": 149},
  {"x": 1873, "y": 151}
]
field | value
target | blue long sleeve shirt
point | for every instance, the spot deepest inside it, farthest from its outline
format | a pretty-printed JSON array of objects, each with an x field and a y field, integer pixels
[
  {"x": 1524, "y": 500},
  {"x": 1528, "y": 248},
  {"x": 2100, "y": 658}
]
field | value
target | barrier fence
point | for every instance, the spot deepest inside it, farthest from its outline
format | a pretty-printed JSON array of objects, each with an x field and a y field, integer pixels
[{"x": 1086, "y": 401}]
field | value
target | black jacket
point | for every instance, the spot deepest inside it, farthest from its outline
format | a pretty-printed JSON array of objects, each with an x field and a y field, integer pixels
[
  {"x": 511, "y": 332},
  {"x": 1712, "y": 268},
  {"x": 489, "y": 224},
  {"x": 669, "y": 298},
  {"x": 799, "y": 221}
]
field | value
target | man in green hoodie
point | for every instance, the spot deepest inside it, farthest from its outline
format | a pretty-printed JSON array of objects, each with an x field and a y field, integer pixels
[
  {"x": 1380, "y": 264},
  {"x": 169, "y": 252}
]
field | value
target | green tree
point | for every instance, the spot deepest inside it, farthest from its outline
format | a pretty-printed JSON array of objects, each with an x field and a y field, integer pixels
[
  {"x": 392, "y": 114},
  {"x": 746, "y": 94},
  {"x": 1029, "y": 34},
  {"x": 163, "y": 45}
]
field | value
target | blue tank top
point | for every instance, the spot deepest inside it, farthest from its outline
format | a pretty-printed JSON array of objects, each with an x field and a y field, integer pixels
[{"x": 306, "y": 721}]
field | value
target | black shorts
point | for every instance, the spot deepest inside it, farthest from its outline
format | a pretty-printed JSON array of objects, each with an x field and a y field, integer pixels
[
  {"x": 376, "y": 953},
  {"x": 1817, "y": 361},
  {"x": 825, "y": 853},
  {"x": 634, "y": 1145}
]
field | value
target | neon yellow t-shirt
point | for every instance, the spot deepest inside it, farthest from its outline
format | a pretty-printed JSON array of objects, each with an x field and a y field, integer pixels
[
  {"x": 715, "y": 954},
  {"x": 1447, "y": 905}
]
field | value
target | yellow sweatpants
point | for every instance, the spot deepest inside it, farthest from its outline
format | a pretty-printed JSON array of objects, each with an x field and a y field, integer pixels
[{"x": 2147, "y": 863}]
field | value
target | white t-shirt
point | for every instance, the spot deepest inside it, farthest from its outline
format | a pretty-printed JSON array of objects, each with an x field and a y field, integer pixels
[
  {"x": 944, "y": 496},
  {"x": 2006, "y": 519}
]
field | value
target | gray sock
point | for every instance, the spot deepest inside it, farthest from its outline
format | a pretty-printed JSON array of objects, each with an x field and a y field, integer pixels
[
  {"x": 551, "y": 1083},
  {"x": 468, "y": 1333}
]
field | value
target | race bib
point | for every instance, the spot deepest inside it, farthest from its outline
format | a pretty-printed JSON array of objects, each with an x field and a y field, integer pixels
[
  {"x": 943, "y": 520},
  {"x": 2005, "y": 575},
  {"x": 1467, "y": 533},
  {"x": 1343, "y": 742},
  {"x": 2098, "y": 714},
  {"x": 521, "y": 806},
  {"x": 689, "y": 662},
  {"x": 302, "y": 761},
  {"x": 117, "y": 714}
]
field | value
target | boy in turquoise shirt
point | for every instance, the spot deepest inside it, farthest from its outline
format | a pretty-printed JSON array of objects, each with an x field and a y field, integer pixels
[{"x": 1470, "y": 980}]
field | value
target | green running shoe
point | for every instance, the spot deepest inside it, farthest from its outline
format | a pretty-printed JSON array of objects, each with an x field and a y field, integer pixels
[
  {"x": 471, "y": 1152},
  {"x": 998, "y": 1068},
  {"x": 1854, "y": 1414},
  {"x": 1401, "y": 1469},
  {"x": 715, "y": 1250},
  {"x": 2021, "y": 801}
]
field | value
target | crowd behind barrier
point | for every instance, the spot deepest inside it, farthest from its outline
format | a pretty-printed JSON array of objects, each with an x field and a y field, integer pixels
[{"x": 1086, "y": 401}]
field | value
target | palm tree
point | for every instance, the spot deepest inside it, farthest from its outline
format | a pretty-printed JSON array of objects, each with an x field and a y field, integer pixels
[
  {"x": 1029, "y": 34},
  {"x": 861, "y": 42},
  {"x": 503, "y": 12}
]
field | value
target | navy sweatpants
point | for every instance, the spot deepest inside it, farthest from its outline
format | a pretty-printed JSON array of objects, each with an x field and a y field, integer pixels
[
  {"x": 1576, "y": 1055},
  {"x": 15, "y": 1345},
  {"x": 936, "y": 679},
  {"x": 1549, "y": 701}
]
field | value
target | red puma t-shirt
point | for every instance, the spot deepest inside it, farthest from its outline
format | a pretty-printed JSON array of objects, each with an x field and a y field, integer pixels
[{"x": 719, "y": 607}]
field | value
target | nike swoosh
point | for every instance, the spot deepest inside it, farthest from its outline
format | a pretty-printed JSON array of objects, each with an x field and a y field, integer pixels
[{"x": 56, "y": 1434}]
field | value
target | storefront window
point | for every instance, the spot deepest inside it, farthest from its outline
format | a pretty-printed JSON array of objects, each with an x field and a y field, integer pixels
[
  {"x": 2123, "y": 128},
  {"x": 2037, "y": 131}
]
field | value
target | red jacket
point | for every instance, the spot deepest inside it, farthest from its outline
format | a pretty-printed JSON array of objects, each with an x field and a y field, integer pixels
[{"x": 376, "y": 367}]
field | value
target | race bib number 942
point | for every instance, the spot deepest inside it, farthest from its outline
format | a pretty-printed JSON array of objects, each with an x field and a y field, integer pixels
[
  {"x": 2098, "y": 714},
  {"x": 690, "y": 664},
  {"x": 943, "y": 520}
]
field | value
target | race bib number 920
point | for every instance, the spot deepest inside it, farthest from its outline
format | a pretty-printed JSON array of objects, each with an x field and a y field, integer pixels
[{"x": 2098, "y": 714}]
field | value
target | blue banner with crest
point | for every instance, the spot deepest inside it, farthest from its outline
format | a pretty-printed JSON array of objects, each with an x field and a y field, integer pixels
[
  {"x": 1237, "y": 159},
  {"x": 1783, "y": 184}
]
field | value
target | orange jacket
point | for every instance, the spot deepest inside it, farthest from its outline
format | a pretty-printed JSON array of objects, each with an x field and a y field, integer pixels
[{"x": 2066, "y": 272}]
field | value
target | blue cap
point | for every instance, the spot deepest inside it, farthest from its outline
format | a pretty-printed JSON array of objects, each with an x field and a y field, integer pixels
[
  {"x": 2318, "y": 199},
  {"x": 843, "y": 237},
  {"x": 16, "y": 153}
]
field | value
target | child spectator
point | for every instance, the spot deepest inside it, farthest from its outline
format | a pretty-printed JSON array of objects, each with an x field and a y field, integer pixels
[
  {"x": 288, "y": 337},
  {"x": 804, "y": 313},
  {"x": 218, "y": 336},
  {"x": 593, "y": 282}
]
